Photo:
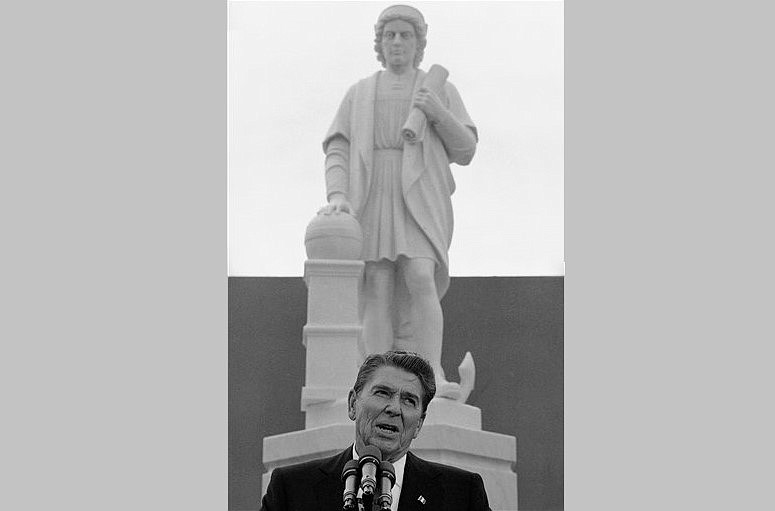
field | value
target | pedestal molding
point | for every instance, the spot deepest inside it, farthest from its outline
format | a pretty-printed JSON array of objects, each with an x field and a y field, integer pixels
[
  {"x": 313, "y": 394},
  {"x": 332, "y": 268}
]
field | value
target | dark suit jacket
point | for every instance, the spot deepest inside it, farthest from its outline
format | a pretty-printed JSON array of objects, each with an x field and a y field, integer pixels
[{"x": 317, "y": 485}]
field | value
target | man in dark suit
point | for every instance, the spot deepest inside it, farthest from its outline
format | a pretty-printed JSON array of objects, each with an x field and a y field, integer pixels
[{"x": 388, "y": 404}]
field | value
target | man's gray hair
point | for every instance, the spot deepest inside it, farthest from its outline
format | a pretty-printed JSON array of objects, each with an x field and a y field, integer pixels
[{"x": 410, "y": 362}]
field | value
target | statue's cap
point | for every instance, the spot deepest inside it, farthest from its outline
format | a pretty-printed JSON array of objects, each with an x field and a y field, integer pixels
[{"x": 403, "y": 11}]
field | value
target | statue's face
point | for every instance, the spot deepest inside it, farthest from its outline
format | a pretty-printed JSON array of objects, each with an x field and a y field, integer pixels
[{"x": 399, "y": 44}]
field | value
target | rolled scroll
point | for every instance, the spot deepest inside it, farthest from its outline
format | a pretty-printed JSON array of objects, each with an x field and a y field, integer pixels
[{"x": 415, "y": 123}]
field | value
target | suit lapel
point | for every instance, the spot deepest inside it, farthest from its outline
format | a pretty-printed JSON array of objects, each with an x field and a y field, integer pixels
[
  {"x": 329, "y": 487},
  {"x": 420, "y": 485}
]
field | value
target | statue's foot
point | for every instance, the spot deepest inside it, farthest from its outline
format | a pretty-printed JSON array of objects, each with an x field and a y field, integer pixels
[
  {"x": 467, "y": 372},
  {"x": 448, "y": 390}
]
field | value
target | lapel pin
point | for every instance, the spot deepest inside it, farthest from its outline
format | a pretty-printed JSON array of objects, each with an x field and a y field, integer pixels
[{"x": 421, "y": 499}]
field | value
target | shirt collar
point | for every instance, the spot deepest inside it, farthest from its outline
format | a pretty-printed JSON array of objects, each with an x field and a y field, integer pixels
[{"x": 398, "y": 465}]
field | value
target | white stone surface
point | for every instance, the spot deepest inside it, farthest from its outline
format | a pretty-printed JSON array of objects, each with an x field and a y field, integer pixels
[
  {"x": 334, "y": 236},
  {"x": 335, "y": 352},
  {"x": 331, "y": 337},
  {"x": 332, "y": 291},
  {"x": 326, "y": 413},
  {"x": 455, "y": 413}
]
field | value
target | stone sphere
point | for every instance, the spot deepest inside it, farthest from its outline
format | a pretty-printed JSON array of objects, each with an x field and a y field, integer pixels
[{"x": 334, "y": 236}]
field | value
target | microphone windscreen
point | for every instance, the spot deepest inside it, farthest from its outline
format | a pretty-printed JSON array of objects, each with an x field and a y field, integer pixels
[
  {"x": 350, "y": 468},
  {"x": 371, "y": 452},
  {"x": 388, "y": 471}
]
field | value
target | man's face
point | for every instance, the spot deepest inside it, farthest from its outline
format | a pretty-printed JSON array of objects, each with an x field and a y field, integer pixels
[
  {"x": 387, "y": 412},
  {"x": 399, "y": 43}
]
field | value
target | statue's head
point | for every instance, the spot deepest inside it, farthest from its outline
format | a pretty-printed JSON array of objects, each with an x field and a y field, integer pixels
[{"x": 407, "y": 14}]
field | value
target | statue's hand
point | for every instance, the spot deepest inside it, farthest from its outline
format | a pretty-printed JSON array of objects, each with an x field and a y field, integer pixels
[
  {"x": 337, "y": 203},
  {"x": 427, "y": 101}
]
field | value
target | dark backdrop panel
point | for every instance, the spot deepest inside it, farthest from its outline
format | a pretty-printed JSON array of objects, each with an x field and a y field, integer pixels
[{"x": 513, "y": 326}]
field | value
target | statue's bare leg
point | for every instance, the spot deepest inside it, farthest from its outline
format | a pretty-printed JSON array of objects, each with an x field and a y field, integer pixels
[
  {"x": 377, "y": 335},
  {"x": 427, "y": 320}
]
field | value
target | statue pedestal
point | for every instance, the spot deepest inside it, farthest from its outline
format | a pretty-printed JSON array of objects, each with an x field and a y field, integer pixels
[
  {"x": 331, "y": 337},
  {"x": 452, "y": 432}
]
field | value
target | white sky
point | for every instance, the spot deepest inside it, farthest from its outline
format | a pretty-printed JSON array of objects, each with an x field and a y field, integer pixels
[{"x": 290, "y": 64}]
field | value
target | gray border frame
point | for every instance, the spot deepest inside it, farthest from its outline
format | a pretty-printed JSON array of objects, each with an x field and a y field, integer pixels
[{"x": 114, "y": 358}]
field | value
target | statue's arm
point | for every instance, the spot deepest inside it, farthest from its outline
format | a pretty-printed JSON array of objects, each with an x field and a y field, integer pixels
[
  {"x": 459, "y": 140},
  {"x": 336, "y": 146},
  {"x": 337, "y": 175},
  {"x": 456, "y": 129},
  {"x": 450, "y": 121}
]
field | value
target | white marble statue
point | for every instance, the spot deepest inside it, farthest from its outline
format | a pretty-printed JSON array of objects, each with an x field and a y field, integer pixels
[{"x": 399, "y": 189}]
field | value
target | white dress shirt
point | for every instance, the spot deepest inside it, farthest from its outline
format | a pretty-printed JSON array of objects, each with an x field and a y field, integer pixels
[{"x": 398, "y": 465}]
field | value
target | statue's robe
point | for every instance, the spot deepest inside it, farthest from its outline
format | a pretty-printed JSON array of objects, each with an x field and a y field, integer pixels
[{"x": 427, "y": 181}]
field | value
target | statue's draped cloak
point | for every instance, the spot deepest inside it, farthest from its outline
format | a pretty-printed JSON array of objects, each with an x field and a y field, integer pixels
[{"x": 426, "y": 179}]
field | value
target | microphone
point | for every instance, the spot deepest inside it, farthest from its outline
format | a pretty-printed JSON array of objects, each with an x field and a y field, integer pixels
[
  {"x": 350, "y": 478},
  {"x": 387, "y": 480},
  {"x": 369, "y": 462}
]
